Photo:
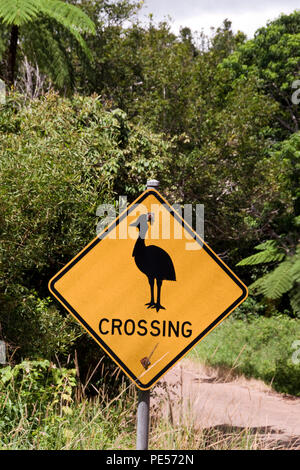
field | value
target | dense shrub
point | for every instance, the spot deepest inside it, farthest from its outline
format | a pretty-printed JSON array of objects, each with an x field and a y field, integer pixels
[
  {"x": 60, "y": 158},
  {"x": 31, "y": 391}
]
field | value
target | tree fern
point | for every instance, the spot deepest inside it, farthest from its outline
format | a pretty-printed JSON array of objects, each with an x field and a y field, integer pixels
[
  {"x": 295, "y": 300},
  {"x": 50, "y": 55},
  {"x": 71, "y": 18},
  {"x": 19, "y": 13},
  {"x": 283, "y": 279},
  {"x": 276, "y": 283}
]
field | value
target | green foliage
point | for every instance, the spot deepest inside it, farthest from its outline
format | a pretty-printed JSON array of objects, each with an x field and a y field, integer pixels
[
  {"x": 284, "y": 278},
  {"x": 35, "y": 325},
  {"x": 287, "y": 376},
  {"x": 251, "y": 308},
  {"x": 25, "y": 11},
  {"x": 39, "y": 410},
  {"x": 268, "y": 252},
  {"x": 50, "y": 55},
  {"x": 58, "y": 163},
  {"x": 18, "y": 13},
  {"x": 232, "y": 144},
  {"x": 220, "y": 135},
  {"x": 35, "y": 23},
  {"x": 212, "y": 119},
  {"x": 32, "y": 391},
  {"x": 224, "y": 41},
  {"x": 214, "y": 99},
  {"x": 276, "y": 265},
  {"x": 261, "y": 347},
  {"x": 273, "y": 56},
  {"x": 285, "y": 160}
]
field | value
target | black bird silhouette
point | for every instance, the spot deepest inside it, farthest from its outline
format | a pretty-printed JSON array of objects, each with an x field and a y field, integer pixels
[{"x": 152, "y": 260}]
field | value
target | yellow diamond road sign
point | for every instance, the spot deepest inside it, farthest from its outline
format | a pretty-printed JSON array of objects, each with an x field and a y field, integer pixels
[{"x": 148, "y": 289}]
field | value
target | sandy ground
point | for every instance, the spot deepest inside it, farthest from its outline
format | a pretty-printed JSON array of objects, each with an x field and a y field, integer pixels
[{"x": 213, "y": 400}]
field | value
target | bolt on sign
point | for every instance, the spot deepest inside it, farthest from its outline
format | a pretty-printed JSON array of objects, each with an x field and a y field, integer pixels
[{"x": 148, "y": 289}]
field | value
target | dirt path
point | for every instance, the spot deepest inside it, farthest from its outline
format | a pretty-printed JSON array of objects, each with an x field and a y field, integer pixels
[{"x": 198, "y": 393}]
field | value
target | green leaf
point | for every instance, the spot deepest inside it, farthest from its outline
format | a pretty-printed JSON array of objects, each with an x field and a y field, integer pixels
[
  {"x": 18, "y": 12},
  {"x": 70, "y": 16},
  {"x": 276, "y": 283},
  {"x": 295, "y": 269},
  {"x": 270, "y": 254},
  {"x": 295, "y": 300}
]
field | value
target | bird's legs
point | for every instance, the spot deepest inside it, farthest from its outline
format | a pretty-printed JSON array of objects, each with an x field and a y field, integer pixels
[
  {"x": 151, "y": 304},
  {"x": 158, "y": 306}
]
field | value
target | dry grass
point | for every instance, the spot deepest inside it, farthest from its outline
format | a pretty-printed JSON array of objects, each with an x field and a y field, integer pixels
[
  {"x": 186, "y": 434},
  {"x": 164, "y": 436}
]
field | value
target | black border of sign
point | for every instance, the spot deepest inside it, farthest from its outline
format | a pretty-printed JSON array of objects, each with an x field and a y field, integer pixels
[{"x": 97, "y": 240}]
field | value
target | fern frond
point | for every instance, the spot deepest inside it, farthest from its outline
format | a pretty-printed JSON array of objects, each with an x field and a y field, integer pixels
[
  {"x": 295, "y": 300},
  {"x": 269, "y": 244},
  {"x": 296, "y": 265},
  {"x": 296, "y": 271},
  {"x": 267, "y": 256},
  {"x": 70, "y": 16},
  {"x": 276, "y": 283},
  {"x": 18, "y": 12}
]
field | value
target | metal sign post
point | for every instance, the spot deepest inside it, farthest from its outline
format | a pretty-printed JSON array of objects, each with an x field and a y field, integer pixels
[
  {"x": 142, "y": 432},
  {"x": 143, "y": 409}
]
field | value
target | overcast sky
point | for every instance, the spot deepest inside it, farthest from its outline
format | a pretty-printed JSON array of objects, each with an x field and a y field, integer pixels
[{"x": 246, "y": 16}]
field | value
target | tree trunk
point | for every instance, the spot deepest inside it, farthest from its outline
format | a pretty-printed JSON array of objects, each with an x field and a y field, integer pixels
[{"x": 12, "y": 54}]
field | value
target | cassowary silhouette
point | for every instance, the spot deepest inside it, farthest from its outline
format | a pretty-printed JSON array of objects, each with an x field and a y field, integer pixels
[{"x": 152, "y": 261}]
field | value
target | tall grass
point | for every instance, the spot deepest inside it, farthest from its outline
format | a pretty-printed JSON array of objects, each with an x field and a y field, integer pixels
[
  {"x": 42, "y": 407},
  {"x": 164, "y": 436},
  {"x": 102, "y": 424},
  {"x": 72, "y": 421},
  {"x": 260, "y": 347}
]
